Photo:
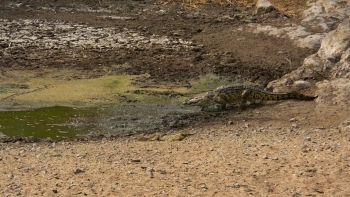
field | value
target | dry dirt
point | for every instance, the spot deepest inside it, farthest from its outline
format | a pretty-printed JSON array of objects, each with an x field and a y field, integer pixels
[{"x": 273, "y": 149}]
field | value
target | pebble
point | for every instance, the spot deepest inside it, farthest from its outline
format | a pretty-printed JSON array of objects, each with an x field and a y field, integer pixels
[
  {"x": 136, "y": 160},
  {"x": 235, "y": 185},
  {"x": 292, "y": 120},
  {"x": 295, "y": 126},
  {"x": 77, "y": 171},
  {"x": 300, "y": 84},
  {"x": 91, "y": 184}
]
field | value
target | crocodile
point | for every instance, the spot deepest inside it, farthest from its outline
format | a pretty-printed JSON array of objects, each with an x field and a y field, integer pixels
[{"x": 240, "y": 95}]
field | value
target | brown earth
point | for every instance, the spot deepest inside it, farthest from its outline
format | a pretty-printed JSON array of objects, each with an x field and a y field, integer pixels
[{"x": 277, "y": 149}]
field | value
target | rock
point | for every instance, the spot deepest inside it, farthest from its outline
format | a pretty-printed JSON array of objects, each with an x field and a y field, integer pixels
[
  {"x": 78, "y": 171},
  {"x": 333, "y": 57},
  {"x": 292, "y": 120},
  {"x": 235, "y": 185},
  {"x": 162, "y": 171},
  {"x": 333, "y": 96},
  {"x": 344, "y": 127},
  {"x": 300, "y": 85},
  {"x": 264, "y": 6},
  {"x": 335, "y": 46},
  {"x": 319, "y": 11},
  {"x": 296, "y": 195}
]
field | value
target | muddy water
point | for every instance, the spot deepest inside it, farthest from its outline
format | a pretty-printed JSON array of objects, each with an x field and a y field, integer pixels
[{"x": 66, "y": 122}]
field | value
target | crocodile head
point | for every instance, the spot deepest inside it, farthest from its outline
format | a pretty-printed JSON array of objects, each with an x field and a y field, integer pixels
[{"x": 203, "y": 101}]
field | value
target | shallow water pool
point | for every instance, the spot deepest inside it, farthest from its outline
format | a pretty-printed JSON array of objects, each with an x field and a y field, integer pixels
[{"x": 49, "y": 122}]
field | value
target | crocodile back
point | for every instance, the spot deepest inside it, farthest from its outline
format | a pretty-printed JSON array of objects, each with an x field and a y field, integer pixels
[{"x": 234, "y": 92}]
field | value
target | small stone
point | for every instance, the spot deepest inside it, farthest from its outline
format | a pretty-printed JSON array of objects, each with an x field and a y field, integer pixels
[
  {"x": 274, "y": 158},
  {"x": 296, "y": 195},
  {"x": 292, "y": 120},
  {"x": 211, "y": 148},
  {"x": 90, "y": 184},
  {"x": 77, "y": 171},
  {"x": 265, "y": 156},
  {"x": 151, "y": 175},
  {"x": 203, "y": 185},
  {"x": 143, "y": 167},
  {"x": 304, "y": 146},
  {"x": 308, "y": 138},
  {"x": 162, "y": 171},
  {"x": 300, "y": 84}
]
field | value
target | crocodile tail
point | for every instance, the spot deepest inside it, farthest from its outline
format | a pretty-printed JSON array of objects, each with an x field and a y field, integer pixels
[{"x": 299, "y": 96}]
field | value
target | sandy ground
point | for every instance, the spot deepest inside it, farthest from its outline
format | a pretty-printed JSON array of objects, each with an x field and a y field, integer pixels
[
  {"x": 246, "y": 154},
  {"x": 220, "y": 160}
]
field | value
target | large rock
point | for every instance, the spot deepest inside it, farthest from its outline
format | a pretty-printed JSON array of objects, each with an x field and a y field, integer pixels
[
  {"x": 335, "y": 47},
  {"x": 264, "y": 6},
  {"x": 333, "y": 98},
  {"x": 333, "y": 58}
]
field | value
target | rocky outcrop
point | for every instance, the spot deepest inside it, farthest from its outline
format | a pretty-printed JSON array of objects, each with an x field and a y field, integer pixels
[{"x": 333, "y": 59}]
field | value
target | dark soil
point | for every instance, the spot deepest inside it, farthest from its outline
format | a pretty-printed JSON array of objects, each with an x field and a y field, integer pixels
[{"x": 219, "y": 47}]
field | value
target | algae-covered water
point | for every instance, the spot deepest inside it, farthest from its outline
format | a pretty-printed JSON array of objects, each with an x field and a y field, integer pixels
[
  {"x": 118, "y": 107},
  {"x": 68, "y": 123},
  {"x": 50, "y": 122}
]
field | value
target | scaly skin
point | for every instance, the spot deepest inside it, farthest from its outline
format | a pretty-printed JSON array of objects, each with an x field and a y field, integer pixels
[{"x": 240, "y": 95}]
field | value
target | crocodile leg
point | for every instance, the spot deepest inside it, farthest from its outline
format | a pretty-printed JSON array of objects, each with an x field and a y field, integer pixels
[{"x": 245, "y": 96}]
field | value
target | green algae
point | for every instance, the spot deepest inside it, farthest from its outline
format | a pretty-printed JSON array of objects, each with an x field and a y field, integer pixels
[{"x": 50, "y": 122}]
